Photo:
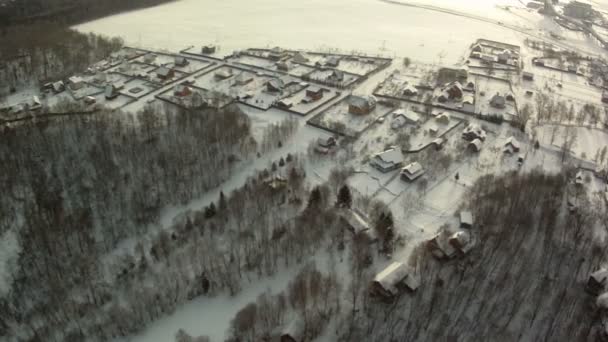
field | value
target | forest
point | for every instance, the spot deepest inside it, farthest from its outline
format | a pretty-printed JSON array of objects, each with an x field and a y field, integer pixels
[
  {"x": 65, "y": 12},
  {"x": 74, "y": 188}
]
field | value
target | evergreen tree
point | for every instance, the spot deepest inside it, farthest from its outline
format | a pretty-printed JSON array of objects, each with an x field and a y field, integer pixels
[
  {"x": 289, "y": 158},
  {"x": 274, "y": 166},
  {"x": 222, "y": 202},
  {"x": 315, "y": 198},
  {"x": 281, "y": 162},
  {"x": 345, "y": 199},
  {"x": 210, "y": 211}
]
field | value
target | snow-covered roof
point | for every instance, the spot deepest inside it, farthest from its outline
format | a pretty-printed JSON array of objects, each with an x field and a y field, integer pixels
[
  {"x": 392, "y": 156},
  {"x": 224, "y": 73},
  {"x": 356, "y": 221},
  {"x": 413, "y": 168},
  {"x": 600, "y": 276},
  {"x": 476, "y": 143},
  {"x": 391, "y": 276},
  {"x": 468, "y": 99},
  {"x": 409, "y": 116},
  {"x": 75, "y": 79},
  {"x": 299, "y": 58},
  {"x": 409, "y": 89},
  {"x": 474, "y": 130},
  {"x": 243, "y": 77},
  {"x": 362, "y": 100},
  {"x": 513, "y": 142},
  {"x": 163, "y": 71},
  {"x": 466, "y": 218}
]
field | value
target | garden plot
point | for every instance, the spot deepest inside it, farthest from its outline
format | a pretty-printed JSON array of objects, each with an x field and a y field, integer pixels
[
  {"x": 337, "y": 118},
  {"x": 300, "y": 70},
  {"x": 358, "y": 66},
  {"x": 254, "y": 61},
  {"x": 193, "y": 66},
  {"x": 324, "y": 76},
  {"x": 305, "y": 108},
  {"x": 118, "y": 102},
  {"x": 138, "y": 88},
  {"x": 116, "y": 78},
  {"x": 490, "y": 88},
  {"x": 86, "y": 90}
]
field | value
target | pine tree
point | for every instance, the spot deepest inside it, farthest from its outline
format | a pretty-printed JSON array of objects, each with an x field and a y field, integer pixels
[
  {"x": 210, "y": 211},
  {"x": 345, "y": 199},
  {"x": 315, "y": 198},
  {"x": 222, "y": 202},
  {"x": 281, "y": 162},
  {"x": 274, "y": 166},
  {"x": 289, "y": 158}
]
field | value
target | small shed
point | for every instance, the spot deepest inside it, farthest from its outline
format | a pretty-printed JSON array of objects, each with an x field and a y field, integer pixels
[
  {"x": 180, "y": 61},
  {"x": 498, "y": 101},
  {"x": 466, "y": 219},
  {"x": 208, "y": 49},
  {"x": 475, "y": 145},
  {"x": 596, "y": 283}
]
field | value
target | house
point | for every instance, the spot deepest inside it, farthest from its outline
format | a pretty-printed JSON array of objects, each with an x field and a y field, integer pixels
[
  {"x": 409, "y": 117},
  {"x": 596, "y": 283},
  {"x": 498, "y": 101},
  {"x": 182, "y": 90},
  {"x": 578, "y": 179},
  {"x": 299, "y": 58},
  {"x": 505, "y": 56},
  {"x": 276, "y": 53},
  {"x": 325, "y": 145},
  {"x": 208, "y": 49},
  {"x": 223, "y": 74},
  {"x": 35, "y": 104},
  {"x": 412, "y": 171},
  {"x": 470, "y": 86},
  {"x": 284, "y": 104},
  {"x": 314, "y": 93},
  {"x": 89, "y": 100},
  {"x": 361, "y": 105},
  {"x": 388, "y": 160},
  {"x": 336, "y": 76},
  {"x": 440, "y": 246},
  {"x": 395, "y": 278},
  {"x": 332, "y": 61},
  {"x": 477, "y": 48},
  {"x": 111, "y": 92},
  {"x": 358, "y": 225},
  {"x": 58, "y": 87},
  {"x": 274, "y": 85},
  {"x": 466, "y": 219},
  {"x": 165, "y": 73},
  {"x": 149, "y": 58},
  {"x": 462, "y": 241},
  {"x": 409, "y": 90},
  {"x": 243, "y": 79},
  {"x": 443, "y": 119},
  {"x": 282, "y": 66},
  {"x": 511, "y": 146},
  {"x": 454, "y": 90},
  {"x": 180, "y": 61},
  {"x": 292, "y": 332},
  {"x": 438, "y": 143},
  {"x": 474, "y": 131},
  {"x": 528, "y": 76},
  {"x": 475, "y": 145},
  {"x": 76, "y": 83},
  {"x": 578, "y": 9}
]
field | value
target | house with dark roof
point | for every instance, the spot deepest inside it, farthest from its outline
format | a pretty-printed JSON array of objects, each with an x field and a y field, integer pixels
[{"x": 361, "y": 105}]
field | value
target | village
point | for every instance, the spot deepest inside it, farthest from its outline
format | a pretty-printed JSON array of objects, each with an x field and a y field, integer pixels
[{"x": 417, "y": 135}]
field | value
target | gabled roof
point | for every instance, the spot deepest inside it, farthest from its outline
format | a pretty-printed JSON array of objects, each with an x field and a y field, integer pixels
[
  {"x": 391, "y": 276},
  {"x": 466, "y": 218},
  {"x": 356, "y": 221},
  {"x": 163, "y": 71},
  {"x": 413, "y": 168},
  {"x": 362, "y": 101},
  {"x": 391, "y": 156},
  {"x": 513, "y": 142}
]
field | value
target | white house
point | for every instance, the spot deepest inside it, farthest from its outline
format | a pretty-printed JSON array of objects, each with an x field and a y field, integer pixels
[
  {"x": 412, "y": 171},
  {"x": 388, "y": 160}
]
